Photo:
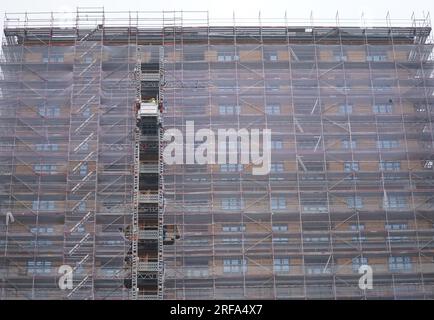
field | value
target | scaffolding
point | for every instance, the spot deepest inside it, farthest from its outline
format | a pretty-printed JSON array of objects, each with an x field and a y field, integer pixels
[
  {"x": 350, "y": 107},
  {"x": 67, "y": 150},
  {"x": 348, "y": 183},
  {"x": 147, "y": 224}
]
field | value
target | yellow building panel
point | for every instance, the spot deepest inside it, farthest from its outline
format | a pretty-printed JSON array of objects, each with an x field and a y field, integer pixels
[
  {"x": 290, "y": 166},
  {"x": 326, "y": 55},
  {"x": 283, "y": 55},
  {"x": 399, "y": 56},
  {"x": 68, "y": 57},
  {"x": 173, "y": 56},
  {"x": 210, "y": 55},
  {"x": 356, "y": 56},
  {"x": 33, "y": 57},
  {"x": 250, "y": 55}
]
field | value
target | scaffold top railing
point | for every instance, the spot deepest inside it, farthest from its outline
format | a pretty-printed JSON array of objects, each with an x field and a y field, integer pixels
[{"x": 91, "y": 17}]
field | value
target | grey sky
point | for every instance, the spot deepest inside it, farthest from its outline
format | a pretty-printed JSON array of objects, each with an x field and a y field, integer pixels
[{"x": 372, "y": 9}]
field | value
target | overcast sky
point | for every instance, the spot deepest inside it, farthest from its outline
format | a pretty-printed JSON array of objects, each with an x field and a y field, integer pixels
[{"x": 325, "y": 9}]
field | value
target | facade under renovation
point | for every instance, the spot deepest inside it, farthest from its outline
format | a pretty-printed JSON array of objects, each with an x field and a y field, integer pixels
[{"x": 90, "y": 210}]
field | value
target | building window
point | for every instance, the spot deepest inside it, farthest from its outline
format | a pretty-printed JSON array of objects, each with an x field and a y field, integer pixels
[
  {"x": 359, "y": 239},
  {"x": 383, "y": 87},
  {"x": 234, "y": 265},
  {"x": 348, "y": 144},
  {"x": 197, "y": 272},
  {"x": 278, "y": 203},
  {"x": 311, "y": 168},
  {"x": 317, "y": 269},
  {"x": 83, "y": 169},
  {"x": 112, "y": 272},
  {"x": 314, "y": 205},
  {"x": 270, "y": 56},
  {"x": 57, "y": 57},
  {"x": 54, "y": 57},
  {"x": 229, "y": 110},
  {"x": 350, "y": 166},
  {"x": 226, "y": 56},
  {"x": 86, "y": 112},
  {"x": 357, "y": 227},
  {"x": 390, "y": 165},
  {"x": 80, "y": 230},
  {"x": 40, "y": 243},
  {"x": 387, "y": 144},
  {"x": 376, "y": 57},
  {"x": 340, "y": 58},
  {"x": 400, "y": 263},
  {"x": 397, "y": 238},
  {"x": 231, "y": 240},
  {"x": 45, "y": 168},
  {"x": 272, "y": 109},
  {"x": 276, "y": 144},
  {"x": 395, "y": 202},
  {"x": 354, "y": 202},
  {"x": 276, "y": 167},
  {"x": 47, "y": 147},
  {"x": 84, "y": 146},
  {"x": 39, "y": 267},
  {"x": 280, "y": 240},
  {"x": 49, "y": 111},
  {"x": 280, "y": 227},
  {"x": 232, "y": 204},
  {"x": 345, "y": 109},
  {"x": 396, "y": 226},
  {"x": 43, "y": 205},
  {"x": 382, "y": 108},
  {"x": 358, "y": 262},
  {"x": 36, "y": 230},
  {"x": 231, "y": 167},
  {"x": 314, "y": 208},
  {"x": 281, "y": 265},
  {"x": 113, "y": 242},
  {"x": 316, "y": 239},
  {"x": 234, "y": 228},
  {"x": 82, "y": 205}
]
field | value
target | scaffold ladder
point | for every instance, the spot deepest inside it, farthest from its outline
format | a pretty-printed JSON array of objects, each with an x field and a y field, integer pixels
[
  {"x": 135, "y": 218},
  {"x": 135, "y": 222},
  {"x": 161, "y": 179}
]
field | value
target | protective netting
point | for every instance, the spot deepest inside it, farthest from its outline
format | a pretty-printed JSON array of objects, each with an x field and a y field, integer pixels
[
  {"x": 351, "y": 179},
  {"x": 351, "y": 173}
]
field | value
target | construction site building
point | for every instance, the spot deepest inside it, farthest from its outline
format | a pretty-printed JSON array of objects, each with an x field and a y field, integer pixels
[{"x": 85, "y": 101}]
